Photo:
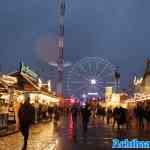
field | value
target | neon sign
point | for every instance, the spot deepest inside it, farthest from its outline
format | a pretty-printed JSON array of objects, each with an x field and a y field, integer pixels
[{"x": 26, "y": 70}]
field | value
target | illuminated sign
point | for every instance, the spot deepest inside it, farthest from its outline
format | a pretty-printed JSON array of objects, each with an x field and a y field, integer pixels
[
  {"x": 137, "y": 81},
  {"x": 26, "y": 70},
  {"x": 108, "y": 91},
  {"x": 92, "y": 93},
  {"x": 115, "y": 98}
]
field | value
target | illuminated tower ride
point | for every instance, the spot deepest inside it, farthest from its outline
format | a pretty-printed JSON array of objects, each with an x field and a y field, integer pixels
[
  {"x": 60, "y": 61},
  {"x": 60, "y": 65}
]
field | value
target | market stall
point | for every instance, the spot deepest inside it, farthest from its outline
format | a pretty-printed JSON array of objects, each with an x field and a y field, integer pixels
[
  {"x": 39, "y": 92},
  {"x": 7, "y": 92}
]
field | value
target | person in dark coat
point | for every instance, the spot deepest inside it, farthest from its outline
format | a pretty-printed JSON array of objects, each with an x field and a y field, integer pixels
[
  {"x": 98, "y": 111},
  {"x": 140, "y": 113},
  {"x": 122, "y": 116},
  {"x": 103, "y": 113},
  {"x": 115, "y": 116},
  {"x": 147, "y": 115},
  {"x": 74, "y": 112},
  {"x": 56, "y": 115},
  {"x": 86, "y": 113},
  {"x": 25, "y": 115},
  {"x": 109, "y": 115},
  {"x": 50, "y": 112}
]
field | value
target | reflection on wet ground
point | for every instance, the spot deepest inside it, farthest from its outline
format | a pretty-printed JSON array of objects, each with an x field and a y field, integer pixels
[{"x": 44, "y": 136}]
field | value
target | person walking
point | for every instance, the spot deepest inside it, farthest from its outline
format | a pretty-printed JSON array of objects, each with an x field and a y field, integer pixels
[
  {"x": 115, "y": 116},
  {"x": 103, "y": 113},
  {"x": 122, "y": 118},
  {"x": 74, "y": 112},
  {"x": 109, "y": 115},
  {"x": 147, "y": 115},
  {"x": 56, "y": 116},
  {"x": 98, "y": 111},
  {"x": 86, "y": 113},
  {"x": 50, "y": 112},
  {"x": 25, "y": 116},
  {"x": 140, "y": 111}
]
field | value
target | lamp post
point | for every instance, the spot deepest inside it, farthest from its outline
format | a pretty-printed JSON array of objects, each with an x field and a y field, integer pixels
[
  {"x": 84, "y": 96},
  {"x": 117, "y": 79},
  {"x": 93, "y": 81}
]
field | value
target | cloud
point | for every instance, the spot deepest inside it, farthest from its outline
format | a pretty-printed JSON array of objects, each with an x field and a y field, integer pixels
[{"x": 46, "y": 47}]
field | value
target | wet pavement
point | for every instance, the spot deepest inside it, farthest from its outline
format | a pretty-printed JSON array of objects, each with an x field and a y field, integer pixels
[
  {"x": 11, "y": 129},
  {"x": 44, "y": 136}
]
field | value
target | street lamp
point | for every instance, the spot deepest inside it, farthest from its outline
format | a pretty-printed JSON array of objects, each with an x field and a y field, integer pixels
[
  {"x": 93, "y": 94},
  {"x": 93, "y": 81},
  {"x": 84, "y": 95}
]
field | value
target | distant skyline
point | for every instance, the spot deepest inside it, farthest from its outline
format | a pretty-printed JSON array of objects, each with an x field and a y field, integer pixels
[{"x": 118, "y": 30}]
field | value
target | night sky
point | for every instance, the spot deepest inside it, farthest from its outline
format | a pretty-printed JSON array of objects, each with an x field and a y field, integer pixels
[{"x": 118, "y": 30}]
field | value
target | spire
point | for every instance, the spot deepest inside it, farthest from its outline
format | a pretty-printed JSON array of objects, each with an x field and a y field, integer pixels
[
  {"x": 60, "y": 61},
  {"x": 147, "y": 69},
  {"x": 117, "y": 79},
  {"x": 20, "y": 64}
]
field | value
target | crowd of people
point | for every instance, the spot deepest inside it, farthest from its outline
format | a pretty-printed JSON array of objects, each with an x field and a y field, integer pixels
[
  {"x": 117, "y": 116},
  {"x": 26, "y": 115},
  {"x": 135, "y": 117}
]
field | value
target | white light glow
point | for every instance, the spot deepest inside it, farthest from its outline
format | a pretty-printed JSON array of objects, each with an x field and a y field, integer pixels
[
  {"x": 49, "y": 86},
  {"x": 93, "y": 81},
  {"x": 8, "y": 79},
  {"x": 92, "y": 93},
  {"x": 116, "y": 98},
  {"x": 83, "y": 104},
  {"x": 137, "y": 81},
  {"x": 40, "y": 83},
  {"x": 84, "y": 95}
]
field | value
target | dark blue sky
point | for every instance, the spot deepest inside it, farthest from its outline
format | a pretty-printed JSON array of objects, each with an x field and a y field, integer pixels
[{"x": 118, "y": 30}]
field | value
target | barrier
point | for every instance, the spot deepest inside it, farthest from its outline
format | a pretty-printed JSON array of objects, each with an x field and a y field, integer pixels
[{"x": 3, "y": 120}]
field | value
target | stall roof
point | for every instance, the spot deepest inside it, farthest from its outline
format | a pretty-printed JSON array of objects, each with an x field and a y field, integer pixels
[
  {"x": 40, "y": 92},
  {"x": 25, "y": 80},
  {"x": 34, "y": 84},
  {"x": 3, "y": 84},
  {"x": 3, "y": 88}
]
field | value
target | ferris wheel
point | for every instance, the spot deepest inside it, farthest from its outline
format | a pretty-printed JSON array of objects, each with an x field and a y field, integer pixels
[{"x": 90, "y": 76}]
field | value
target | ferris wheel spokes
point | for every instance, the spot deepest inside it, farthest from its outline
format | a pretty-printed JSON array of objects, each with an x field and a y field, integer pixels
[
  {"x": 91, "y": 74},
  {"x": 80, "y": 75},
  {"x": 84, "y": 71},
  {"x": 81, "y": 87},
  {"x": 105, "y": 82},
  {"x": 103, "y": 70},
  {"x": 77, "y": 82},
  {"x": 107, "y": 75},
  {"x": 97, "y": 68},
  {"x": 99, "y": 90}
]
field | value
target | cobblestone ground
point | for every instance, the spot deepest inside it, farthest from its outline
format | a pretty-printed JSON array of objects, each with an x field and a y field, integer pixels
[
  {"x": 99, "y": 136},
  {"x": 43, "y": 136}
]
